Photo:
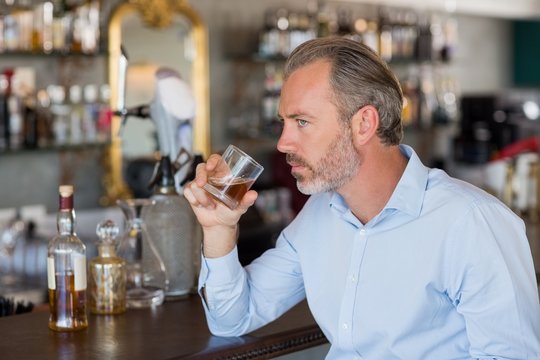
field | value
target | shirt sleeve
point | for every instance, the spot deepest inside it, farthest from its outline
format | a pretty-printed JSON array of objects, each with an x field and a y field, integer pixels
[
  {"x": 239, "y": 300},
  {"x": 493, "y": 284}
]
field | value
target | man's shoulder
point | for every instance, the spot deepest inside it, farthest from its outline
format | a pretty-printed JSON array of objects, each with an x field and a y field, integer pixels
[{"x": 443, "y": 187}]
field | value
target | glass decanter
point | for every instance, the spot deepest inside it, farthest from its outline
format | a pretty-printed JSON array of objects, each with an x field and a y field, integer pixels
[
  {"x": 107, "y": 273},
  {"x": 146, "y": 275}
]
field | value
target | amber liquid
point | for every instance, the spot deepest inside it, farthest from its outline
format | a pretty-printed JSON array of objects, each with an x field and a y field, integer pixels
[
  {"x": 67, "y": 306},
  {"x": 230, "y": 191}
]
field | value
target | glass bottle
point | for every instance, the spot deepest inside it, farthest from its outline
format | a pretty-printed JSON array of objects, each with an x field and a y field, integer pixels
[
  {"x": 146, "y": 275},
  {"x": 66, "y": 270},
  {"x": 175, "y": 230},
  {"x": 76, "y": 113},
  {"x": 107, "y": 273}
]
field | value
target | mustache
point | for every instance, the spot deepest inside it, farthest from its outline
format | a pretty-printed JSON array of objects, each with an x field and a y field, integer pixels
[{"x": 296, "y": 160}]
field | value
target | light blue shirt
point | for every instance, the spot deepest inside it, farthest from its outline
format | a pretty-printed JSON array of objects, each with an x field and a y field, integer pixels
[{"x": 444, "y": 271}]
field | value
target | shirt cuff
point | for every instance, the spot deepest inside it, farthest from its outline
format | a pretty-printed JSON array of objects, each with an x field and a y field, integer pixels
[{"x": 221, "y": 270}]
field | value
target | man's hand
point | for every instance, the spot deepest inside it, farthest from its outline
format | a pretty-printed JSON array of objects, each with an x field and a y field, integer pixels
[{"x": 219, "y": 223}]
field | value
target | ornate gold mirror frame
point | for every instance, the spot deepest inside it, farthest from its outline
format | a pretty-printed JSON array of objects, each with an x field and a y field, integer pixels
[{"x": 156, "y": 14}]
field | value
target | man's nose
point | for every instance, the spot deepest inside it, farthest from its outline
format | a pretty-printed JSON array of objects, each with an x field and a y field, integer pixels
[{"x": 285, "y": 142}]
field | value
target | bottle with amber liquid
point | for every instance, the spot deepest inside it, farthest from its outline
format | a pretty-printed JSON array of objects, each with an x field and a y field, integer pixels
[
  {"x": 107, "y": 274},
  {"x": 66, "y": 270}
]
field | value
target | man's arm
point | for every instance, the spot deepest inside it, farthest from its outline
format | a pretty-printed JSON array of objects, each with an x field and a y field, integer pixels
[
  {"x": 234, "y": 302},
  {"x": 494, "y": 285}
]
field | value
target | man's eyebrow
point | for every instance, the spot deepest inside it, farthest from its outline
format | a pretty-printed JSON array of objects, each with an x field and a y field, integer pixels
[{"x": 294, "y": 115}]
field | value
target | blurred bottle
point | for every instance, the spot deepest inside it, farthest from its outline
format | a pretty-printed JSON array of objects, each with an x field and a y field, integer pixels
[
  {"x": 30, "y": 123},
  {"x": 450, "y": 30},
  {"x": 385, "y": 35},
  {"x": 60, "y": 114},
  {"x": 61, "y": 27},
  {"x": 4, "y": 111},
  {"x": 11, "y": 32},
  {"x": 283, "y": 26},
  {"x": 87, "y": 23},
  {"x": 45, "y": 132},
  {"x": 424, "y": 41},
  {"x": 76, "y": 113},
  {"x": 371, "y": 36},
  {"x": 269, "y": 37},
  {"x": 42, "y": 27},
  {"x": 15, "y": 122},
  {"x": 5, "y": 114},
  {"x": 105, "y": 114},
  {"x": 91, "y": 113},
  {"x": 66, "y": 270}
]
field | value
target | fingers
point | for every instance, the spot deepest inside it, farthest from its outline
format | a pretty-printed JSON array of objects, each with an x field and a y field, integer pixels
[
  {"x": 247, "y": 201},
  {"x": 202, "y": 170},
  {"x": 198, "y": 197}
]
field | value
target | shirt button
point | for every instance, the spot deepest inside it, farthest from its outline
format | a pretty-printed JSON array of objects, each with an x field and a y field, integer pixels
[
  {"x": 353, "y": 278},
  {"x": 363, "y": 231},
  {"x": 345, "y": 326}
]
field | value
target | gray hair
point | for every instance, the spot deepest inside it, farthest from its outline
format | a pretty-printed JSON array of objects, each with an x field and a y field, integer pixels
[{"x": 358, "y": 77}]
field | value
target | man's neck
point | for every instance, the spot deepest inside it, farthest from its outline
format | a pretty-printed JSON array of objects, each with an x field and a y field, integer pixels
[{"x": 368, "y": 192}]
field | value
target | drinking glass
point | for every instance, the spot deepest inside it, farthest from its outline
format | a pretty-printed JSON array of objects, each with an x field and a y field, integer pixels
[
  {"x": 232, "y": 177},
  {"x": 11, "y": 234}
]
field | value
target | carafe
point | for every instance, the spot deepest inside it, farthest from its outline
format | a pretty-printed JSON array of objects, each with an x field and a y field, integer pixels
[{"x": 147, "y": 279}]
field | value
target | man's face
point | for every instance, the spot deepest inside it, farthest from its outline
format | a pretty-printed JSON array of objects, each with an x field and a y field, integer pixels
[{"x": 318, "y": 145}]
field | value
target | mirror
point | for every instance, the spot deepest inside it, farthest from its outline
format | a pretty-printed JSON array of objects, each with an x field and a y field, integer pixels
[{"x": 154, "y": 34}]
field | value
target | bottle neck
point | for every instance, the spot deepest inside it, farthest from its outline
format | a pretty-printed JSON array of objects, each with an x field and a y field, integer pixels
[
  {"x": 65, "y": 222},
  {"x": 165, "y": 190},
  {"x": 106, "y": 250}
]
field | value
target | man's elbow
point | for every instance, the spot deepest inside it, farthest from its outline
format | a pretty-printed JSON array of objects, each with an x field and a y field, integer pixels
[{"x": 226, "y": 331}]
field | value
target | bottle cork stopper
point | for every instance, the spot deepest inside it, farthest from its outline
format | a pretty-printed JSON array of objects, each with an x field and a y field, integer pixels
[
  {"x": 65, "y": 190},
  {"x": 65, "y": 199}
]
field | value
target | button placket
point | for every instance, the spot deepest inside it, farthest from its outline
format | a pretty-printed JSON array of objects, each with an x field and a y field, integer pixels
[{"x": 349, "y": 296}]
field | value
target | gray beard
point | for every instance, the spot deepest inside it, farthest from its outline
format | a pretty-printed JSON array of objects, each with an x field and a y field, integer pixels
[{"x": 334, "y": 170}]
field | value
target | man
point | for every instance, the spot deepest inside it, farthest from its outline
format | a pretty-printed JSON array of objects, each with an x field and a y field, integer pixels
[{"x": 396, "y": 260}]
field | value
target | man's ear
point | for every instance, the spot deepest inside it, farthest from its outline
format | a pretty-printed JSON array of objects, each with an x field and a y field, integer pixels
[{"x": 364, "y": 124}]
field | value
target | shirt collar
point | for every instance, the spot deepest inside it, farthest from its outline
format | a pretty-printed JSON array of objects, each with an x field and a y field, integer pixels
[
  {"x": 409, "y": 193},
  {"x": 408, "y": 196}
]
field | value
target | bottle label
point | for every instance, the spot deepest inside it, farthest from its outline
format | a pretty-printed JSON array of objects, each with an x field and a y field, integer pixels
[
  {"x": 50, "y": 273},
  {"x": 79, "y": 269}
]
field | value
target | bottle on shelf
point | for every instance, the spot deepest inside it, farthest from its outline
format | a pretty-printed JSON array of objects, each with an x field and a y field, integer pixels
[
  {"x": 76, "y": 113},
  {"x": 4, "y": 112},
  {"x": 60, "y": 114},
  {"x": 61, "y": 27},
  {"x": 30, "y": 123},
  {"x": 86, "y": 23},
  {"x": 104, "y": 120},
  {"x": 66, "y": 270},
  {"x": 15, "y": 122},
  {"x": 107, "y": 273},
  {"x": 45, "y": 135},
  {"x": 91, "y": 113},
  {"x": 42, "y": 27}
]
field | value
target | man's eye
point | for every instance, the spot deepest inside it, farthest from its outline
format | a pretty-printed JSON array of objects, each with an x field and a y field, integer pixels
[{"x": 301, "y": 122}]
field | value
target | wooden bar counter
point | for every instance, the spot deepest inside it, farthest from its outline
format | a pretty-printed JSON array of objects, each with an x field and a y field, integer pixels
[{"x": 175, "y": 330}]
